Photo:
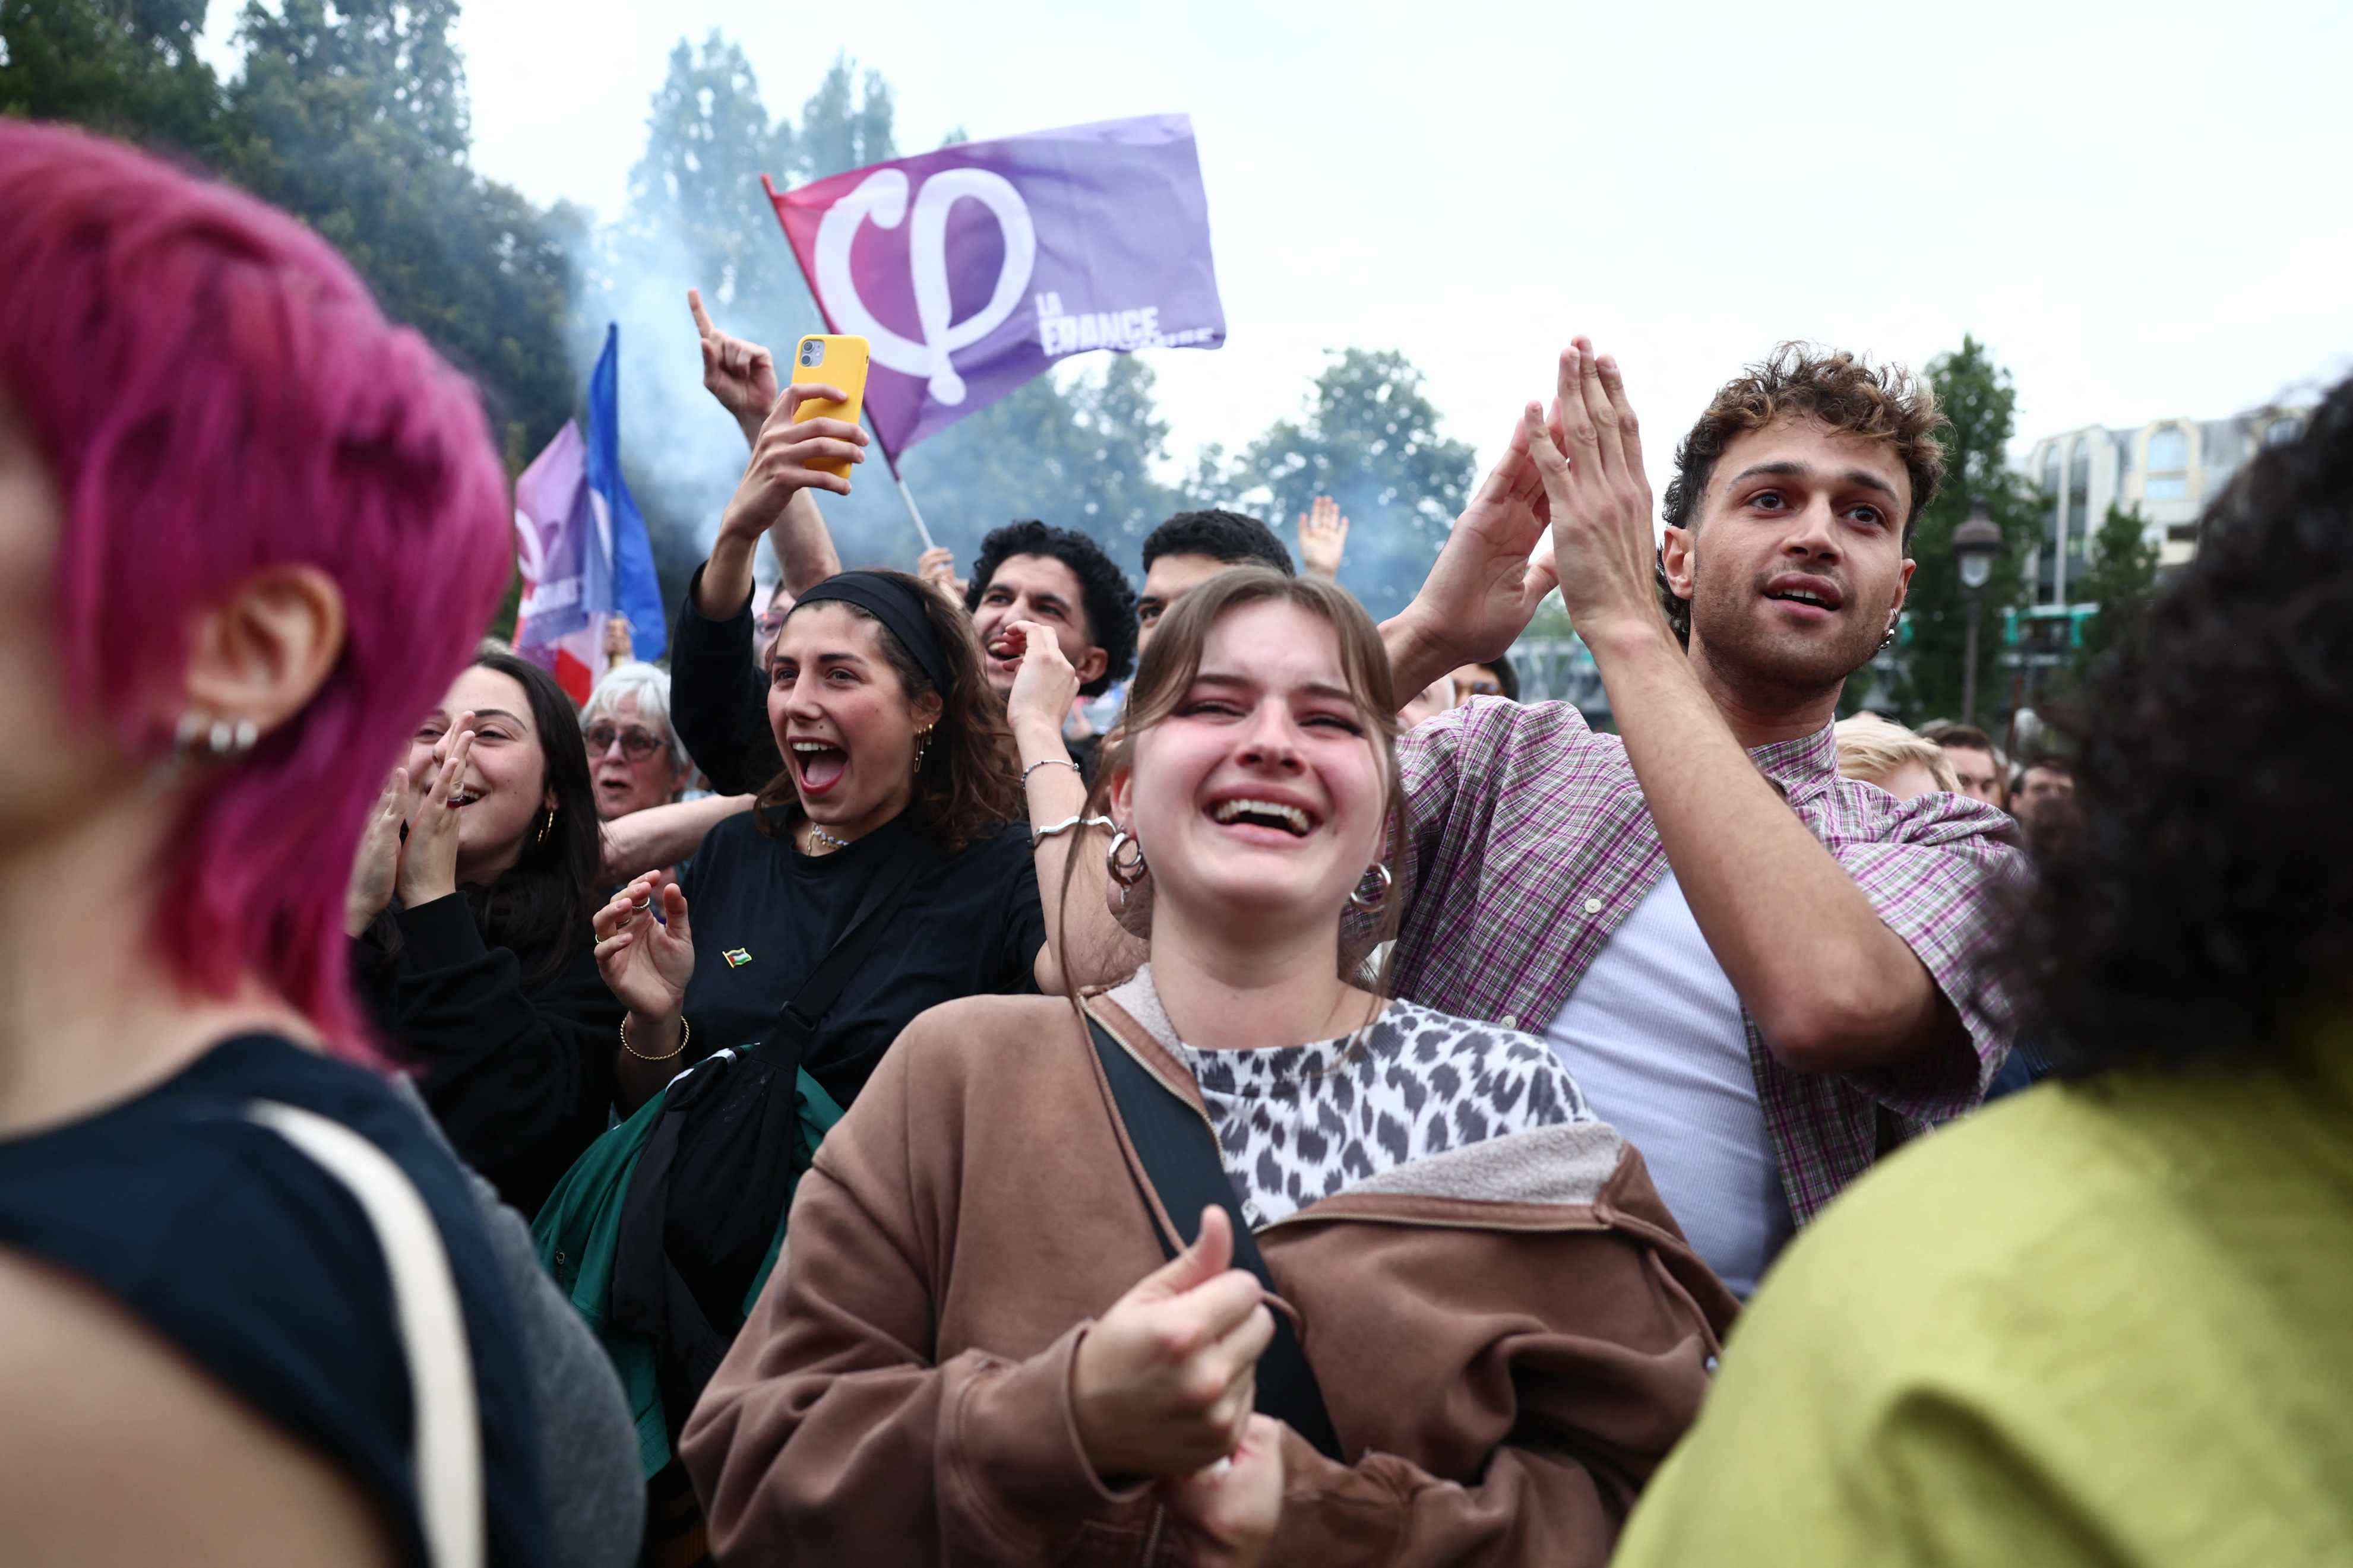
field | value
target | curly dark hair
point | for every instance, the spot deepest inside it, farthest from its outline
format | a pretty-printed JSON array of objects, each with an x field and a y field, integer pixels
[
  {"x": 1108, "y": 601},
  {"x": 1846, "y": 392},
  {"x": 1227, "y": 536},
  {"x": 2206, "y": 904},
  {"x": 969, "y": 781}
]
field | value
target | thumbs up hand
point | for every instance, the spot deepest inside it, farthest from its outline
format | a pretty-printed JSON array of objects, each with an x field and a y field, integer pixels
[{"x": 1164, "y": 1383}]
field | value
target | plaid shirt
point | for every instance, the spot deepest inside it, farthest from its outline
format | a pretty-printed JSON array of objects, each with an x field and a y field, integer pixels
[{"x": 1530, "y": 845}]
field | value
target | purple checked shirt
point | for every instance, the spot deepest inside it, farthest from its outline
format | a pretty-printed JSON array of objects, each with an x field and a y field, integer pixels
[{"x": 1531, "y": 844}]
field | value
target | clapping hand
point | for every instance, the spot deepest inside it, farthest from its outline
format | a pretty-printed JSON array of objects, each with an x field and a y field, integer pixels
[
  {"x": 646, "y": 962},
  {"x": 1590, "y": 461},
  {"x": 429, "y": 861},
  {"x": 741, "y": 374},
  {"x": 1163, "y": 1383},
  {"x": 1322, "y": 536},
  {"x": 375, "y": 870}
]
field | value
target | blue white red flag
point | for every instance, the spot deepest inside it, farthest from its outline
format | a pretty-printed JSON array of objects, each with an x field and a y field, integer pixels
[
  {"x": 974, "y": 269},
  {"x": 582, "y": 546}
]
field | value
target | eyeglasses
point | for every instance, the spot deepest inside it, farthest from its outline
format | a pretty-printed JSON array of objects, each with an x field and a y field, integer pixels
[{"x": 635, "y": 744}]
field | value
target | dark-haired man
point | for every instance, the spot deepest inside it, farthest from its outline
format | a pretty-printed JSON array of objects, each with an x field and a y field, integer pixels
[
  {"x": 1763, "y": 974},
  {"x": 1062, "y": 580},
  {"x": 1970, "y": 751},
  {"x": 1193, "y": 547}
]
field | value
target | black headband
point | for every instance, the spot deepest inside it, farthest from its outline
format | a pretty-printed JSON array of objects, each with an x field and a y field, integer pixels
[{"x": 897, "y": 607}]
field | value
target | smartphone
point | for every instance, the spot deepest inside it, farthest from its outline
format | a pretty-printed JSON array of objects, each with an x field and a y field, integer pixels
[{"x": 837, "y": 361}]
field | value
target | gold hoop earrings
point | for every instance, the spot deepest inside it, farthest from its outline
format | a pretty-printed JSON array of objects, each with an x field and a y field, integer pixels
[{"x": 546, "y": 828}]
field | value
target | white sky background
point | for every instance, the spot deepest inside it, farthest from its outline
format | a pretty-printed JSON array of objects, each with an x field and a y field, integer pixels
[{"x": 2143, "y": 208}]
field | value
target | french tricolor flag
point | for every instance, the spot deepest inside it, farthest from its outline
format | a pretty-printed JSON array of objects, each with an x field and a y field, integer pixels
[{"x": 582, "y": 545}]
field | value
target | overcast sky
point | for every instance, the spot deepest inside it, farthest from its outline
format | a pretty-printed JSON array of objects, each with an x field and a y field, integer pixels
[{"x": 2141, "y": 208}]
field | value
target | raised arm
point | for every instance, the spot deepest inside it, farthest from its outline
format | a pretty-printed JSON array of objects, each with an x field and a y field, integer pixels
[
  {"x": 661, "y": 835},
  {"x": 1485, "y": 587},
  {"x": 1831, "y": 986}
]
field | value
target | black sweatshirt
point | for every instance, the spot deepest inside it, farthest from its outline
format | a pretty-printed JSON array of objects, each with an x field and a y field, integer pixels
[
  {"x": 719, "y": 698},
  {"x": 519, "y": 1076}
]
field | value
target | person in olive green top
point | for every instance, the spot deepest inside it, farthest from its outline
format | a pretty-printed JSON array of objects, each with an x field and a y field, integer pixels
[{"x": 2111, "y": 1320}]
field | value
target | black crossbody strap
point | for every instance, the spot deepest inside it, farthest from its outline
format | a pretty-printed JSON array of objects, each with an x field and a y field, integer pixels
[
  {"x": 1180, "y": 1157},
  {"x": 798, "y": 1019}
]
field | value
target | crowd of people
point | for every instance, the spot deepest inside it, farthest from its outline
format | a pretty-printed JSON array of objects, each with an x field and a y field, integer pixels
[{"x": 825, "y": 1102}]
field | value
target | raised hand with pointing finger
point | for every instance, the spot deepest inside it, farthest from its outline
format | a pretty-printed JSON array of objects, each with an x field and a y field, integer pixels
[{"x": 740, "y": 373}]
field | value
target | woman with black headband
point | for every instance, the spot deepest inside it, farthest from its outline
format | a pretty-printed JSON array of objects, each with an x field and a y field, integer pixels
[{"x": 895, "y": 804}]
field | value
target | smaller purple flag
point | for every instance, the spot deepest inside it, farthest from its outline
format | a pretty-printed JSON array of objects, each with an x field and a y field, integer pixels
[{"x": 971, "y": 270}]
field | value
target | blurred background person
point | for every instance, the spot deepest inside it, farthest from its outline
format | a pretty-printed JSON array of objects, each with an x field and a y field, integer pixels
[
  {"x": 1880, "y": 751},
  {"x": 2103, "y": 1322},
  {"x": 472, "y": 947},
  {"x": 978, "y": 1239},
  {"x": 635, "y": 757},
  {"x": 1980, "y": 769},
  {"x": 2045, "y": 806},
  {"x": 252, "y": 1310},
  {"x": 1494, "y": 678},
  {"x": 1192, "y": 547},
  {"x": 1435, "y": 697}
]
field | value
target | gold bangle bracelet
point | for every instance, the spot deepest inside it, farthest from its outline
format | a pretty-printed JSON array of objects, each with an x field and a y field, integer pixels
[{"x": 685, "y": 1029}]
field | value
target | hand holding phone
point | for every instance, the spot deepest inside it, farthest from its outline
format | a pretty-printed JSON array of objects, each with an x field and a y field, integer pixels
[{"x": 839, "y": 362}]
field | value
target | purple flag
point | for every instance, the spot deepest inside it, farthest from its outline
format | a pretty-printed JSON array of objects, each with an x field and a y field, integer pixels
[
  {"x": 561, "y": 553},
  {"x": 971, "y": 269}
]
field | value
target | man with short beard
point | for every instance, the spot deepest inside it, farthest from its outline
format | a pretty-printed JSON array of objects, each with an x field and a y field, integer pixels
[{"x": 1764, "y": 975}]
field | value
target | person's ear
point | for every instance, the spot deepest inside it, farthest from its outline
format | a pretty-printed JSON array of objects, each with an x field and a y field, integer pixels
[
  {"x": 1678, "y": 557},
  {"x": 1120, "y": 794},
  {"x": 926, "y": 710},
  {"x": 262, "y": 651},
  {"x": 1091, "y": 664}
]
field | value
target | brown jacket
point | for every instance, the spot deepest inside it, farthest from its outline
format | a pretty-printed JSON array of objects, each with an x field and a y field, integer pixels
[{"x": 1509, "y": 1337}]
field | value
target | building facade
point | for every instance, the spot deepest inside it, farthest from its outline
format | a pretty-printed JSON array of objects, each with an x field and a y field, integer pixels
[{"x": 2167, "y": 467}]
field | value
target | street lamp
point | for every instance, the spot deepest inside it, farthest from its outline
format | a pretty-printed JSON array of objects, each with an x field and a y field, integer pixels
[{"x": 1975, "y": 544}]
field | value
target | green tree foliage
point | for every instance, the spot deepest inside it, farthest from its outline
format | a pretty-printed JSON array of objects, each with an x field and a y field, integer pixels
[
  {"x": 127, "y": 68},
  {"x": 2123, "y": 575},
  {"x": 1979, "y": 398},
  {"x": 1369, "y": 438},
  {"x": 354, "y": 119}
]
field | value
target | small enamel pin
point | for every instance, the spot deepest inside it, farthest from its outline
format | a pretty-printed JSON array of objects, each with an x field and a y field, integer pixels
[{"x": 737, "y": 957}]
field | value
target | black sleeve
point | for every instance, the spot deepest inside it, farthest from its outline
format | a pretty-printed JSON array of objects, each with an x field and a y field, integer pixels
[
  {"x": 521, "y": 1080},
  {"x": 717, "y": 700},
  {"x": 1025, "y": 917}
]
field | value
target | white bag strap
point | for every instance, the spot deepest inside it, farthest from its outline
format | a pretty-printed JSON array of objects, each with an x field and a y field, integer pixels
[{"x": 449, "y": 1447}]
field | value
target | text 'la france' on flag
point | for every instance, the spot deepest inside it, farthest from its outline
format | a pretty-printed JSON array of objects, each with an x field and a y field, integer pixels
[
  {"x": 971, "y": 270},
  {"x": 582, "y": 547}
]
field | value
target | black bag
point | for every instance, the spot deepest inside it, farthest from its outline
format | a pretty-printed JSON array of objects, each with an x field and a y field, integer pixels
[
  {"x": 703, "y": 1207},
  {"x": 1181, "y": 1157}
]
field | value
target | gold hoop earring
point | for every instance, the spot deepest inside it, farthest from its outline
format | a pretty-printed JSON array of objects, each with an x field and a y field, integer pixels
[{"x": 548, "y": 826}]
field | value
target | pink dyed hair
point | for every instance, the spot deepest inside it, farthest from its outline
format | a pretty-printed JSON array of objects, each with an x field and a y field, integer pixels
[{"x": 215, "y": 392}]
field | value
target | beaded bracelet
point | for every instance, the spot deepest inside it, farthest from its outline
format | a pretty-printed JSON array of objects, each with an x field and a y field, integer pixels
[{"x": 1050, "y": 763}]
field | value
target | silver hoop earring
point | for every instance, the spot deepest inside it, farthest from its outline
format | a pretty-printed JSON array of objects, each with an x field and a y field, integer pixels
[
  {"x": 1129, "y": 872},
  {"x": 1356, "y": 894}
]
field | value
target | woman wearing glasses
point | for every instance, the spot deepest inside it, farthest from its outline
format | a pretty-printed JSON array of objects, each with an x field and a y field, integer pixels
[{"x": 469, "y": 912}]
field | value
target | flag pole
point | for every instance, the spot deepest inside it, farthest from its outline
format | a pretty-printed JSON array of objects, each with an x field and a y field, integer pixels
[{"x": 905, "y": 494}]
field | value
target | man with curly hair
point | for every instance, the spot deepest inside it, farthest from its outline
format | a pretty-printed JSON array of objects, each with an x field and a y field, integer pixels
[
  {"x": 2103, "y": 1324},
  {"x": 1765, "y": 975}
]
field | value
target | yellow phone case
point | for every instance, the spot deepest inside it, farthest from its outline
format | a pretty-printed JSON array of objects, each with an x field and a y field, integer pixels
[{"x": 837, "y": 361}]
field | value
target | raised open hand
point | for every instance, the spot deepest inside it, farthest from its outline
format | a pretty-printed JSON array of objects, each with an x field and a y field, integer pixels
[
  {"x": 375, "y": 869},
  {"x": 1323, "y": 538},
  {"x": 937, "y": 567},
  {"x": 1163, "y": 1383},
  {"x": 740, "y": 373},
  {"x": 1046, "y": 684},
  {"x": 781, "y": 456},
  {"x": 428, "y": 862},
  {"x": 1234, "y": 1506},
  {"x": 646, "y": 962},
  {"x": 1590, "y": 465}
]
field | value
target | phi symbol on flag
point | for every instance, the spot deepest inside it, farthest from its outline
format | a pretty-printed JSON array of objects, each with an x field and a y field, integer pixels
[{"x": 883, "y": 196}]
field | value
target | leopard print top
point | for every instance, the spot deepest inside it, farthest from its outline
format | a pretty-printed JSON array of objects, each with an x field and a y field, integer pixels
[{"x": 1298, "y": 1123}]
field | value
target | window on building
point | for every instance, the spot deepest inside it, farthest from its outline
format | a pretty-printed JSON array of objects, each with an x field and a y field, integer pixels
[
  {"x": 2283, "y": 429},
  {"x": 2168, "y": 465}
]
